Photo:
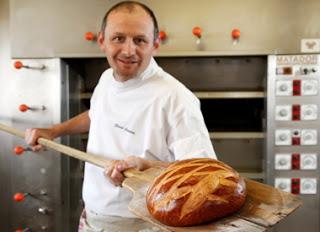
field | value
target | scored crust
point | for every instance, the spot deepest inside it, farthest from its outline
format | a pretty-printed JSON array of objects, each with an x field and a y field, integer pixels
[{"x": 195, "y": 191}]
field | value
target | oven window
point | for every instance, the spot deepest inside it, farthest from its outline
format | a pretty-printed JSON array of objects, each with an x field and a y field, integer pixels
[{"x": 233, "y": 114}]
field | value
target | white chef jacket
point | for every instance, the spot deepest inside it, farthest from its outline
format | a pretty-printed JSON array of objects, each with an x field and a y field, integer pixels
[{"x": 152, "y": 116}]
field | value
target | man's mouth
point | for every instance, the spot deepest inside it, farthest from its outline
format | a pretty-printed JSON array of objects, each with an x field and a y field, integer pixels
[{"x": 127, "y": 62}]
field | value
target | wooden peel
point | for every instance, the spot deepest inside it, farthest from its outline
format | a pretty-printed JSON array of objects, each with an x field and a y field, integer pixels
[{"x": 265, "y": 206}]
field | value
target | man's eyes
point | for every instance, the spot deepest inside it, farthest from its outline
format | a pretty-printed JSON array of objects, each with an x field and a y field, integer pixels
[
  {"x": 118, "y": 39},
  {"x": 121, "y": 39},
  {"x": 139, "y": 41}
]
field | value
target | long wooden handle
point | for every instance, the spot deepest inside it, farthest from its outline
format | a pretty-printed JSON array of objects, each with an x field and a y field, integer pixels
[{"x": 87, "y": 157}]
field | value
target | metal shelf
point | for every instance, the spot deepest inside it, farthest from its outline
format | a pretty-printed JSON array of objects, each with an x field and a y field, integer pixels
[
  {"x": 253, "y": 175},
  {"x": 237, "y": 135},
  {"x": 211, "y": 94},
  {"x": 229, "y": 94}
]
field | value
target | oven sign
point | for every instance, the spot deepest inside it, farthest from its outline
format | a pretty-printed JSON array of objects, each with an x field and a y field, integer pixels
[{"x": 297, "y": 60}]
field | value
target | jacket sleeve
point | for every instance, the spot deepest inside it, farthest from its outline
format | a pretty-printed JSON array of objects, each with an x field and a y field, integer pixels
[{"x": 188, "y": 136}]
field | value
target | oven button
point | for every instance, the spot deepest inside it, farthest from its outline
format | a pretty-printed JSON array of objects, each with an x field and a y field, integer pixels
[
  {"x": 284, "y": 88},
  {"x": 309, "y": 87},
  {"x": 308, "y": 186},
  {"x": 283, "y": 184},
  {"x": 283, "y": 113},
  {"x": 309, "y": 161},
  {"x": 283, "y": 137},
  {"x": 309, "y": 112},
  {"x": 309, "y": 137},
  {"x": 283, "y": 161}
]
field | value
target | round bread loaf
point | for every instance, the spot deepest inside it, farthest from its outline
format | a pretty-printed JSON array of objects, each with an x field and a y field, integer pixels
[{"x": 194, "y": 191}]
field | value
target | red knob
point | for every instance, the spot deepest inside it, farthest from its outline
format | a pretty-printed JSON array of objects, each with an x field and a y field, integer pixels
[
  {"x": 18, "y": 150},
  {"x": 162, "y": 35},
  {"x": 235, "y": 33},
  {"x": 197, "y": 31},
  {"x": 90, "y": 36},
  {"x": 18, "y": 64},
  {"x": 23, "y": 108},
  {"x": 22, "y": 230},
  {"x": 19, "y": 197}
]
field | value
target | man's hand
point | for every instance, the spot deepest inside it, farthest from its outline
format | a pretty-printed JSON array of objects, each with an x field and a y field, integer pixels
[
  {"x": 76, "y": 125},
  {"x": 114, "y": 172},
  {"x": 32, "y": 135}
]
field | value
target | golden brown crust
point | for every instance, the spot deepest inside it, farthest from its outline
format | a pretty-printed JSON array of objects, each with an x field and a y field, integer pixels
[{"x": 195, "y": 191}]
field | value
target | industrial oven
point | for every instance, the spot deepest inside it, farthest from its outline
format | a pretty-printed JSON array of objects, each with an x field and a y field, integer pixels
[
  {"x": 292, "y": 138},
  {"x": 261, "y": 112},
  {"x": 261, "y": 108}
]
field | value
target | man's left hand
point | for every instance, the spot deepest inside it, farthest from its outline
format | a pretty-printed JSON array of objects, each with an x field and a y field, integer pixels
[{"x": 114, "y": 172}]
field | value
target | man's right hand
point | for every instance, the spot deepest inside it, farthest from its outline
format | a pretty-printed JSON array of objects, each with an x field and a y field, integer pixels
[
  {"x": 33, "y": 134},
  {"x": 76, "y": 125}
]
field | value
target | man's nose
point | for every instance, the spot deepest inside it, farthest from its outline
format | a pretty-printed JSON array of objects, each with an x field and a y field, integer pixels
[{"x": 129, "y": 48}]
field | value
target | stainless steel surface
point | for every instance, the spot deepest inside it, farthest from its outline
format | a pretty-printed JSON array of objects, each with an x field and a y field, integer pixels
[
  {"x": 245, "y": 155},
  {"x": 43, "y": 210},
  {"x": 71, "y": 177},
  {"x": 267, "y": 27},
  {"x": 280, "y": 170},
  {"x": 49, "y": 177},
  {"x": 35, "y": 171},
  {"x": 237, "y": 135},
  {"x": 230, "y": 94},
  {"x": 212, "y": 74},
  {"x": 6, "y": 91}
]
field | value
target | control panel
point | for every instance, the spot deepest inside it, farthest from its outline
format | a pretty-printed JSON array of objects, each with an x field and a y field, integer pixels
[
  {"x": 297, "y": 185},
  {"x": 296, "y": 137},
  {"x": 293, "y": 127},
  {"x": 296, "y": 161},
  {"x": 296, "y": 112}
]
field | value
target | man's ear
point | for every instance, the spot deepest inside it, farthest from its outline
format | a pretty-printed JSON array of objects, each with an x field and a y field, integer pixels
[
  {"x": 100, "y": 41},
  {"x": 156, "y": 44}
]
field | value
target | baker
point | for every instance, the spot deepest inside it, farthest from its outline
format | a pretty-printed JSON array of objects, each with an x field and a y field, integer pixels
[{"x": 140, "y": 117}]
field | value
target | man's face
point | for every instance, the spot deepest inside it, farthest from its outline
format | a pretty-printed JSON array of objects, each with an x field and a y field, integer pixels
[{"x": 128, "y": 42}]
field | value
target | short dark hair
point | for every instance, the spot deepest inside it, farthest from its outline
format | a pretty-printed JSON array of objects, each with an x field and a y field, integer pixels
[{"x": 130, "y": 5}]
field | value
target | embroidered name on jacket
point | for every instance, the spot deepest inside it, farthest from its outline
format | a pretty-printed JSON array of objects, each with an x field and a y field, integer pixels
[{"x": 124, "y": 128}]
